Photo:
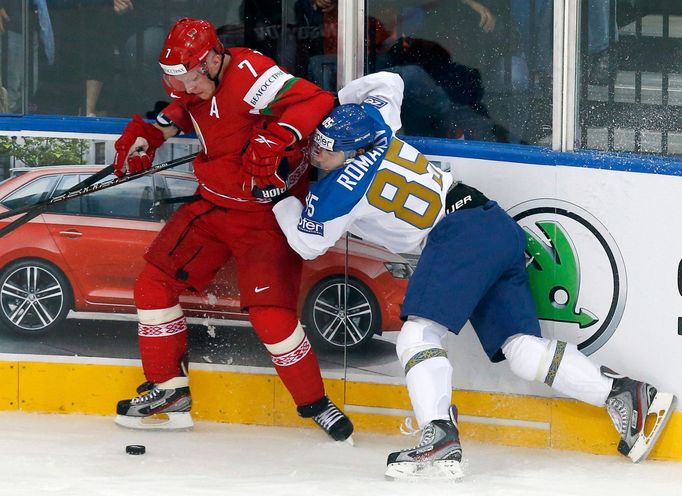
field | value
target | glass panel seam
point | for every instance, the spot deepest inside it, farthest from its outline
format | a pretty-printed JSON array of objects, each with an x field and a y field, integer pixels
[{"x": 566, "y": 17}]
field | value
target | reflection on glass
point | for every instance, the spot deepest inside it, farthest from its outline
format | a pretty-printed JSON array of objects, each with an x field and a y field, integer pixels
[
  {"x": 476, "y": 70},
  {"x": 105, "y": 54},
  {"x": 307, "y": 45},
  {"x": 99, "y": 59},
  {"x": 629, "y": 82},
  {"x": 38, "y": 151},
  {"x": 16, "y": 62}
]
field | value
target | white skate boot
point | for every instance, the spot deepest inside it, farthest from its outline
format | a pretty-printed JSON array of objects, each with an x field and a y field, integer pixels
[{"x": 437, "y": 456}]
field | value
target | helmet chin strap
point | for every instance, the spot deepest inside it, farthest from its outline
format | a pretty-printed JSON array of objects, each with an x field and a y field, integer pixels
[{"x": 216, "y": 79}]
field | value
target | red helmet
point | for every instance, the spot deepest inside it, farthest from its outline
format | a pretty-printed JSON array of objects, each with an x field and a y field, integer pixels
[{"x": 187, "y": 45}]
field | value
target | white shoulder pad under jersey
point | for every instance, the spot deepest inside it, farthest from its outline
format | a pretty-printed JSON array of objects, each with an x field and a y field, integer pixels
[{"x": 382, "y": 90}]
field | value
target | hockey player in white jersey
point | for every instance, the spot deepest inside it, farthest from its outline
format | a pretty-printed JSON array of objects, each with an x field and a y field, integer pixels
[{"x": 472, "y": 267}]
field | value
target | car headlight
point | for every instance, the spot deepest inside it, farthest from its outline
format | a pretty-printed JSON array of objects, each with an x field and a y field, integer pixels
[{"x": 399, "y": 270}]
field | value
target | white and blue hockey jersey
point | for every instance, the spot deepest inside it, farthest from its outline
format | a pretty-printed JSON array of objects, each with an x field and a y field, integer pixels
[{"x": 391, "y": 195}]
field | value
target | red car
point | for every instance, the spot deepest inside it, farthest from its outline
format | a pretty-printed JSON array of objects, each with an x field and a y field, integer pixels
[{"x": 84, "y": 255}]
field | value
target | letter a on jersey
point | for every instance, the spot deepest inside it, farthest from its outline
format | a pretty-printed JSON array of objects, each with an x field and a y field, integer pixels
[{"x": 214, "y": 108}]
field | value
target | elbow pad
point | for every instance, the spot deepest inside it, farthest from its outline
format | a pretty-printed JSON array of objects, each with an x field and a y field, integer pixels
[{"x": 175, "y": 115}]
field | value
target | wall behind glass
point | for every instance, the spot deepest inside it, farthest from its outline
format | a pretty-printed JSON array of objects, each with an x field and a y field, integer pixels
[
  {"x": 476, "y": 70},
  {"x": 631, "y": 76},
  {"x": 90, "y": 58}
]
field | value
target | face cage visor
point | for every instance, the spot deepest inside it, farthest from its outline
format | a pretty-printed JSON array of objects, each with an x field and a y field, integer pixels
[{"x": 332, "y": 160}]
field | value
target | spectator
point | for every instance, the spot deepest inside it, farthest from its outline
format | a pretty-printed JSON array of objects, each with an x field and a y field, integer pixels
[
  {"x": 461, "y": 113},
  {"x": 11, "y": 24},
  {"x": 463, "y": 46},
  {"x": 536, "y": 29},
  {"x": 98, "y": 21}
]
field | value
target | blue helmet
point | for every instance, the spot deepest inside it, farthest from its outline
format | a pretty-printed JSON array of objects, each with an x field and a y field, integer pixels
[{"x": 347, "y": 128}]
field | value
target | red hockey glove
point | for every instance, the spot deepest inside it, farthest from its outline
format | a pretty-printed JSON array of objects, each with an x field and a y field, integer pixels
[
  {"x": 262, "y": 157},
  {"x": 136, "y": 147}
]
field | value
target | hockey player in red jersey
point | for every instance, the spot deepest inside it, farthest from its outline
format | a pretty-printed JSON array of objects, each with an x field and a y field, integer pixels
[{"x": 250, "y": 116}]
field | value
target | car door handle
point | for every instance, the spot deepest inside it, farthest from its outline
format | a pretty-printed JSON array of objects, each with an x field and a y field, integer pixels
[{"x": 71, "y": 233}]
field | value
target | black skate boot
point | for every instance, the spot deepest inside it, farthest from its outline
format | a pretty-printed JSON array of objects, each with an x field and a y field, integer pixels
[
  {"x": 437, "y": 456},
  {"x": 629, "y": 403},
  {"x": 159, "y": 406},
  {"x": 330, "y": 418}
]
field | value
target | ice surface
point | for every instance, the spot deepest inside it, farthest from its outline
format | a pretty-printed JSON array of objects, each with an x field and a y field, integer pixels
[{"x": 74, "y": 455}]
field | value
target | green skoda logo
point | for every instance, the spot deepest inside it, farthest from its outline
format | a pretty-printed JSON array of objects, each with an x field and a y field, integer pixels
[
  {"x": 555, "y": 296},
  {"x": 576, "y": 272}
]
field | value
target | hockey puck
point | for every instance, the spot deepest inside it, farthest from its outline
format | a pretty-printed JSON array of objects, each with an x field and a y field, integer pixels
[{"x": 135, "y": 449}]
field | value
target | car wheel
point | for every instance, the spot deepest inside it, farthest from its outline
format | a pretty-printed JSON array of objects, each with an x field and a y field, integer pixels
[
  {"x": 330, "y": 325},
  {"x": 35, "y": 297}
]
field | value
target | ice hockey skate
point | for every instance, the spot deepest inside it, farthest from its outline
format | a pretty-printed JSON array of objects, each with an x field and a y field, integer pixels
[
  {"x": 629, "y": 404},
  {"x": 332, "y": 420},
  {"x": 159, "y": 406},
  {"x": 437, "y": 456}
]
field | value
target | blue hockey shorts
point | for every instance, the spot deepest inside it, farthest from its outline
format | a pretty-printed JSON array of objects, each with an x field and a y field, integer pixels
[{"x": 473, "y": 268}]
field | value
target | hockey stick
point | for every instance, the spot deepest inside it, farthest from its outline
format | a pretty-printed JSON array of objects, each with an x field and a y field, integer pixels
[
  {"x": 87, "y": 186},
  {"x": 35, "y": 209}
]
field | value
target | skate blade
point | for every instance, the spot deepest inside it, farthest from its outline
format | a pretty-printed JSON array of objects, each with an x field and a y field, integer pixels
[
  {"x": 174, "y": 421},
  {"x": 349, "y": 440},
  {"x": 438, "y": 470},
  {"x": 662, "y": 408}
]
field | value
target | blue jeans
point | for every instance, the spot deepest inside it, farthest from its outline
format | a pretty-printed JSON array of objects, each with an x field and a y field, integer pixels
[
  {"x": 535, "y": 29},
  {"x": 15, "y": 69}
]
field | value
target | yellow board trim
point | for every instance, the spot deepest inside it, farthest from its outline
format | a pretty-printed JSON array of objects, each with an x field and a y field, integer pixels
[
  {"x": 261, "y": 399},
  {"x": 9, "y": 386}
]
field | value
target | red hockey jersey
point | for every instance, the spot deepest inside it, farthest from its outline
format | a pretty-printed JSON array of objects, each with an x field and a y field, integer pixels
[{"x": 252, "y": 90}]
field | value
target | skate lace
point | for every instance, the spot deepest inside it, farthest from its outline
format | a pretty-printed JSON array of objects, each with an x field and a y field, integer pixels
[
  {"x": 618, "y": 412},
  {"x": 152, "y": 394},
  {"x": 407, "y": 428},
  {"x": 428, "y": 435},
  {"x": 328, "y": 417}
]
